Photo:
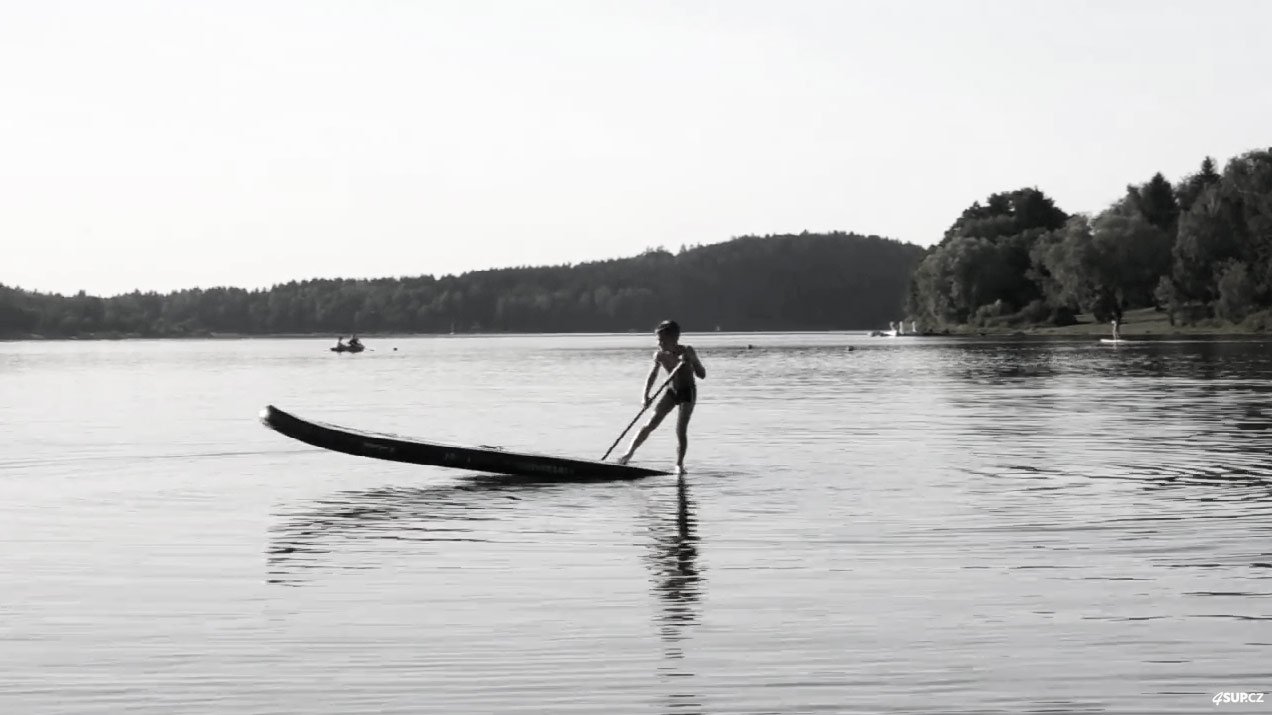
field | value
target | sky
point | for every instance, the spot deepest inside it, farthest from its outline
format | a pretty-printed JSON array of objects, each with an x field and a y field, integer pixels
[{"x": 168, "y": 145}]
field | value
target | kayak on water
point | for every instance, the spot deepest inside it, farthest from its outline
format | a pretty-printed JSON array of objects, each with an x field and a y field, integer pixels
[{"x": 477, "y": 459}]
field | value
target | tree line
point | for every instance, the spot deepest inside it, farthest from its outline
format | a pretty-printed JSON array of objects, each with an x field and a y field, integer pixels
[
  {"x": 1199, "y": 249},
  {"x": 778, "y": 282}
]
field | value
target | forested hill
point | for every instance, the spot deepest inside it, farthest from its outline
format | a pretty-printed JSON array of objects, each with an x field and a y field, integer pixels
[{"x": 790, "y": 282}]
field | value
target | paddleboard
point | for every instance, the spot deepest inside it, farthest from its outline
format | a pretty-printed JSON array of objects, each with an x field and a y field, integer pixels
[{"x": 478, "y": 459}]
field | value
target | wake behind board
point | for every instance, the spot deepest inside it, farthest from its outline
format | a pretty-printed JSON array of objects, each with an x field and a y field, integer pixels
[{"x": 477, "y": 459}]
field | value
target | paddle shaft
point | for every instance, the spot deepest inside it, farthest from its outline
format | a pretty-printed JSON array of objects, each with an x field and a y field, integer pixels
[{"x": 642, "y": 410}]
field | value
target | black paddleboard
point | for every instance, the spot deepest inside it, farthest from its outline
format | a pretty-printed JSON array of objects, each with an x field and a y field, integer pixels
[{"x": 477, "y": 459}]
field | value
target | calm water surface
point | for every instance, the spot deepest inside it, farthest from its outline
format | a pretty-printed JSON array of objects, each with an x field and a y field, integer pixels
[{"x": 913, "y": 525}]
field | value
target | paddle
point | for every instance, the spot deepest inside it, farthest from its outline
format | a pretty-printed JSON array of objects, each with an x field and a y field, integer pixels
[{"x": 642, "y": 411}]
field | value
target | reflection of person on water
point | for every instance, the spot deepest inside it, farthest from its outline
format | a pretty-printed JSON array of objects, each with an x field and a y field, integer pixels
[
  {"x": 676, "y": 564},
  {"x": 678, "y": 582},
  {"x": 683, "y": 364}
]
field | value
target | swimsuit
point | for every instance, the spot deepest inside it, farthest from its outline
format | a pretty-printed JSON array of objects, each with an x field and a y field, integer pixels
[{"x": 683, "y": 394}]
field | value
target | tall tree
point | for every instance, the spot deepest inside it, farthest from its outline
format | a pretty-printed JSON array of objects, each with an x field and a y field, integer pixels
[
  {"x": 1189, "y": 189},
  {"x": 1156, "y": 202},
  {"x": 984, "y": 259},
  {"x": 1007, "y": 214}
]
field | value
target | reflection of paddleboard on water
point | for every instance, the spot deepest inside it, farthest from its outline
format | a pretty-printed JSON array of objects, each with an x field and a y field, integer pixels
[{"x": 477, "y": 459}]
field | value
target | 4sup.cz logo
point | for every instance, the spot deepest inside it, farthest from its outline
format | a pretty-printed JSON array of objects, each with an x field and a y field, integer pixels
[{"x": 1234, "y": 698}]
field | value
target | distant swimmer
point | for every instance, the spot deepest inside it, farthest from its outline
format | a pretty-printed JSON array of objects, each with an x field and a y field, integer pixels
[{"x": 682, "y": 362}]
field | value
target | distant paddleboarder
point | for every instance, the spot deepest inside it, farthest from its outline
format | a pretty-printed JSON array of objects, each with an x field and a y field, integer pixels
[{"x": 682, "y": 391}]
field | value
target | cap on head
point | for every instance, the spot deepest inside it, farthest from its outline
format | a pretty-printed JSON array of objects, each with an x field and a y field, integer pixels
[{"x": 669, "y": 328}]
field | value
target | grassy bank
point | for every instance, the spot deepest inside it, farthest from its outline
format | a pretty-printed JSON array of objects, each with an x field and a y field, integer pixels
[{"x": 1142, "y": 322}]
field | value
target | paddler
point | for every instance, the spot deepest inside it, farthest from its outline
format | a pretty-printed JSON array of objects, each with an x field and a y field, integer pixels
[{"x": 681, "y": 361}]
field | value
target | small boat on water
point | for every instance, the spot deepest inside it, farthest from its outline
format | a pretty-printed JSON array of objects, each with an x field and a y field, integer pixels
[
  {"x": 343, "y": 348},
  {"x": 478, "y": 459}
]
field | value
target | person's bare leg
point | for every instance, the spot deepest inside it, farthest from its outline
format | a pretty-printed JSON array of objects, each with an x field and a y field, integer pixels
[
  {"x": 660, "y": 411},
  {"x": 682, "y": 435}
]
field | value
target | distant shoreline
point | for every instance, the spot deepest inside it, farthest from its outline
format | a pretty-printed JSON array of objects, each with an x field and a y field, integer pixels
[
  {"x": 1138, "y": 326},
  {"x": 1146, "y": 322}
]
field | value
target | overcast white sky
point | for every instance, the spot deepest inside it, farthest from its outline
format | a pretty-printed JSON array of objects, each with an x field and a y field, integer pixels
[{"x": 165, "y": 145}]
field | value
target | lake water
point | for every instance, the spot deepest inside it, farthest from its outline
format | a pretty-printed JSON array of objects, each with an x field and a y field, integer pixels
[{"x": 868, "y": 525}]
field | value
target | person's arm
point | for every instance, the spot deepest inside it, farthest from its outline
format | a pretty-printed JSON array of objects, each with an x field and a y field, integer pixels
[
  {"x": 649, "y": 382},
  {"x": 695, "y": 363}
]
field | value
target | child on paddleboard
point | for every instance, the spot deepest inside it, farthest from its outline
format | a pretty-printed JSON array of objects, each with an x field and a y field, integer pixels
[{"x": 682, "y": 363}]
